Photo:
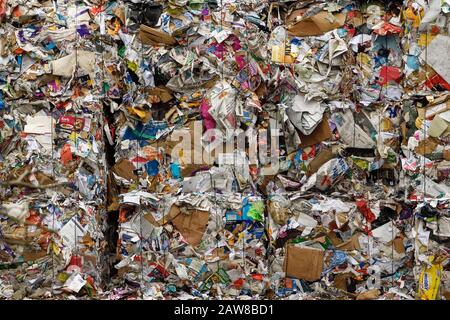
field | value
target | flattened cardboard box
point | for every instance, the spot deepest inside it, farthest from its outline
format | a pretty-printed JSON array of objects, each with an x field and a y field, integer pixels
[
  {"x": 321, "y": 133},
  {"x": 315, "y": 25},
  {"x": 125, "y": 169},
  {"x": 192, "y": 226},
  {"x": 153, "y": 36},
  {"x": 303, "y": 263},
  {"x": 325, "y": 155}
]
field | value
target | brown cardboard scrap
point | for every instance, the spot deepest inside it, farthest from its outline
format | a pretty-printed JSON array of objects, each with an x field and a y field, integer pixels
[
  {"x": 321, "y": 133},
  {"x": 124, "y": 168},
  {"x": 340, "y": 280},
  {"x": 315, "y": 25},
  {"x": 369, "y": 295},
  {"x": 398, "y": 245},
  {"x": 303, "y": 263},
  {"x": 29, "y": 255},
  {"x": 162, "y": 93},
  {"x": 426, "y": 146},
  {"x": 322, "y": 157},
  {"x": 350, "y": 244},
  {"x": 447, "y": 154},
  {"x": 192, "y": 225},
  {"x": 196, "y": 157},
  {"x": 435, "y": 107},
  {"x": 43, "y": 179},
  {"x": 334, "y": 238},
  {"x": 153, "y": 36}
]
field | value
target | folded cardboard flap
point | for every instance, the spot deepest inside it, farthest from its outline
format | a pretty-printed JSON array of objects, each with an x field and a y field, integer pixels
[
  {"x": 369, "y": 295},
  {"x": 322, "y": 157},
  {"x": 173, "y": 212},
  {"x": 351, "y": 244},
  {"x": 316, "y": 25},
  {"x": 191, "y": 225},
  {"x": 321, "y": 133},
  {"x": 153, "y": 36},
  {"x": 398, "y": 245},
  {"x": 426, "y": 146},
  {"x": 163, "y": 93},
  {"x": 303, "y": 263},
  {"x": 194, "y": 158},
  {"x": 340, "y": 280},
  {"x": 125, "y": 169},
  {"x": 43, "y": 179},
  {"x": 30, "y": 255}
]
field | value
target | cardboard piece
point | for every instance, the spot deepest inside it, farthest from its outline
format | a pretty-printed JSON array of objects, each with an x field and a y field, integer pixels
[
  {"x": 303, "y": 263},
  {"x": 322, "y": 157},
  {"x": 321, "y": 133},
  {"x": 340, "y": 280},
  {"x": 153, "y": 36},
  {"x": 398, "y": 245},
  {"x": 446, "y": 154},
  {"x": 426, "y": 146},
  {"x": 369, "y": 295},
  {"x": 112, "y": 193},
  {"x": 122, "y": 271},
  {"x": 124, "y": 168},
  {"x": 29, "y": 255},
  {"x": 334, "y": 238},
  {"x": 350, "y": 245},
  {"x": 173, "y": 212},
  {"x": 197, "y": 157},
  {"x": 192, "y": 226},
  {"x": 164, "y": 94},
  {"x": 43, "y": 179},
  {"x": 314, "y": 26}
]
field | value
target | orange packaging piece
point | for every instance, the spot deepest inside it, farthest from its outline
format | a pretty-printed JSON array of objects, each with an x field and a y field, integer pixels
[
  {"x": 97, "y": 10},
  {"x": 238, "y": 283},
  {"x": 66, "y": 154},
  {"x": 16, "y": 11}
]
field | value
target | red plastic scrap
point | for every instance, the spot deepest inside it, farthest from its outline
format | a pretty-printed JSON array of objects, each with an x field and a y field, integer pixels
[
  {"x": 387, "y": 28},
  {"x": 388, "y": 74},
  {"x": 365, "y": 210},
  {"x": 437, "y": 80}
]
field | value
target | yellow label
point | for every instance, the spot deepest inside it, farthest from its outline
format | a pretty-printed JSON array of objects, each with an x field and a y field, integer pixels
[
  {"x": 429, "y": 281},
  {"x": 56, "y": 249},
  {"x": 278, "y": 53}
]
